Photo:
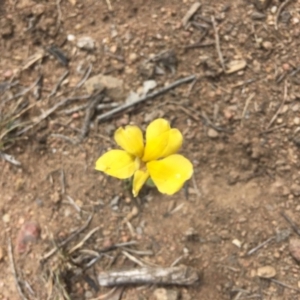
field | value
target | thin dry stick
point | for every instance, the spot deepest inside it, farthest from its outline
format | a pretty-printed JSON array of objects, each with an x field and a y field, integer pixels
[
  {"x": 191, "y": 87},
  {"x": 248, "y": 100},
  {"x": 25, "y": 91},
  {"x": 47, "y": 113},
  {"x": 291, "y": 222},
  {"x": 109, "y": 5},
  {"x": 273, "y": 129},
  {"x": 280, "y": 107},
  {"x": 107, "y": 249},
  {"x": 57, "y": 86},
  {"x": 67, "y": 240},
  {"x": 196, "y": 186},
  {"x": 85, "y": 76},
  {"x": 13, "y": 269},
  {"x": 284, "y": 285},
  {"x": 146, "y": 97},
  {"x": 59, "y": 15},
  {"x": 81, "y": 243},
  {"x": 281, "y": 7},
  {"x": 134, "y": 259},
  {"x": 63, "y": 181},
  {"x": 72, "y": 202},
  {"x": 250, "y": 252},
  {"x": 218, "y": 48},
  {"x": 63, "y": 137},
  {"x": 88, "y": 116}
]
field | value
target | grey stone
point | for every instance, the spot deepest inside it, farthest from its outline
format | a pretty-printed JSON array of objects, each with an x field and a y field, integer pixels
[
  {"x": 164, "y": 294},
  {"x": 114, "y": 87}
]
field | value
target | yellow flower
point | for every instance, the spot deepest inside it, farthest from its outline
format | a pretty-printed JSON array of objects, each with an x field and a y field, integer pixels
[{"x": 155, "y": 159}]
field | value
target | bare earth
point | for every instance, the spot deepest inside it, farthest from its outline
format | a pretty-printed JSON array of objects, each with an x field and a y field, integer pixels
[{"x": 240, "y": 120}]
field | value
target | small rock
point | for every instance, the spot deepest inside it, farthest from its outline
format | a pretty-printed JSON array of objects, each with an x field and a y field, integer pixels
[
  {"x": 267, "y": 45},
  {"x": 258, "y": 16},
  {"x": 294, "y": 248},
  {"x": 133, "y": 213},
  {"x": 86, "y": 43},
  {"x": 113, "y": 86},
  {"x": 262, "y": 4},
  {"x": 273, "y": 9},
  {"x": 8, "y": 73},
  {"x": 71, "y": 37},
  {"x": 296, "y": 121},
  {"x": 6, "y": 27},
  {"x": 295, "y": 189},
  {"x": 191, "y": 234},
  {"x": 132, "y": 97},
  {"x": 30, "y": 232},
  {"x": 149, "y": 85},
  {"x": 115, "y": 201},
  {"x": 237, "y": 243},
  {"x": 6, "y": 218},
  {"x": 133, "y": 57},
  {"x": 164, "y": 294},
  {"x": 266, "y": 272},
  {"x": 38, "y": 9},
  {"x": 55, "y": 197},
  {"x": 212, "y": 133},
  {"x": 235, "y": 66},
  {"x": 88, "y": 295}
]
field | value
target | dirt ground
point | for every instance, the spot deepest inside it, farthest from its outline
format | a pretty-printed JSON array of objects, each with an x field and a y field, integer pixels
[{"x": 240, "y": 120}]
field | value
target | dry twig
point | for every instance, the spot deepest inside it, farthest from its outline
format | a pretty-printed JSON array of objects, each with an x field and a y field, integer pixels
[
  {"x": 85, "y": 76},
  {"x": 13, "y": 269},
  {"x": 291, "y": 222},
  {"x": 25, "y": 91},
  {"x": 67, "y": 240},
  {"x": 146, "y": 97},
  {"x": 281, "y": 7},
  {"x": 81, "y": 243},
  {"x": 280, "y": 107},
  {"x": 246, "y": 106},
  {"x": 218, "y": 48},
  {"x": 51, "y": 110},
  {"x": 181, "y": 275},
  {"x": 88, "y": 116},
  {"x": 284, "y": 285},
  {"x": 250, "y": 252},
  {"x": 57, "y": 86}
]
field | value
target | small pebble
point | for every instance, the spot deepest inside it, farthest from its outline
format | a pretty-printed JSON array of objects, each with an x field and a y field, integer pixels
[
  {"x": 6, "y": 218},
  {"x": 296, "y": 120},
  {"x": 266, "y": 272},
  {"x": 86, "y": 43},
  {"x": 237, "y": 243},
  {"x": 29, "y": 232},
  {"x": 115, "y": 201},
  {"x": 8, "y": 73},
  {"x": 133, "y": 57},
  {"x": 267, "y": 45},
  {"x": 273, "y": 9},
  {"x": 212, "y": 133},
  {"x": 71, "y": 37}
]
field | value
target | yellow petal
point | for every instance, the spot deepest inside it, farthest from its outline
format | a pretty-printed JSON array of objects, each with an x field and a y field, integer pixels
[
  {"x": 130, "y": 139},
  {"x": 139, "y": 179},
  {"x": 161, "y": 140},
  {"x": 117, "y": 163},
  {"x": 174, "y": 142},
  {"x": 169, "y": 174}
]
